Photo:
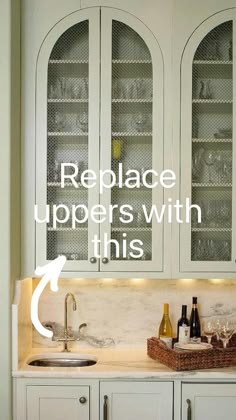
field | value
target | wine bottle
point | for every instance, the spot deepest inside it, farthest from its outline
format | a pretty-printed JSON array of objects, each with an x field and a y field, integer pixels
[
  {"x": 165, "y": 329},
  {"x": 183, "y": 328},
  {"x": 195, "y": 326}
]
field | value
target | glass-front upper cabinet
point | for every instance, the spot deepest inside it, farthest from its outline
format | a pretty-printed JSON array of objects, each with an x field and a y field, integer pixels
[
  {"x": 99, "y": 107},
  {"x": 132, "y": 141},
  {"x": 208, "y": 147},
  {"x": 68, "y": 132}
]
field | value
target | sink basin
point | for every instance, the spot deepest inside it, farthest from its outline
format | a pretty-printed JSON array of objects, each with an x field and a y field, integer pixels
[{"x": 62, "y": 360}]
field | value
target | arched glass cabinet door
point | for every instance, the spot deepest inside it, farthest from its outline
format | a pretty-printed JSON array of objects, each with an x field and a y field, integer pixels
[
  {"x": 67, "y": 130},
  {"x": 208, "y": 146},
  {"x": 131, "y": 135}
]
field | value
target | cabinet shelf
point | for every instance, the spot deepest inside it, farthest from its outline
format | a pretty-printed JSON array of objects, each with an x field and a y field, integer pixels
[
  {"x": 213, "y": 229},
  {"x": 66, "y": 134},
  {"x": 212, "y": 140},
  {"x": 132, "y": 101},
  {"x": 128, "y": 134},
  {"x": 67, "y": 185},
  {"x": 131, "y": 229},
  {"x": 67, "y": 229},
  {"x": 70, "y": 185},
  {"x": 211, "y": 185},
  {"x": 67, "y": 101},
  {"x": 68, "y": 61},
  {"x": 212, "y": 101},
  {"x": 131, "y": 62},
  {"x": 213, "y": 62}
]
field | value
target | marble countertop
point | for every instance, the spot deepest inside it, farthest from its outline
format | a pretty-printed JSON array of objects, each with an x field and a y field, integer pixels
[{"x": 116, "y": 364}]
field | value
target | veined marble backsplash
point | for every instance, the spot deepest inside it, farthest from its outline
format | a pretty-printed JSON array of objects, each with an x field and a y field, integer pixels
[{"x": 124, "y": 312}]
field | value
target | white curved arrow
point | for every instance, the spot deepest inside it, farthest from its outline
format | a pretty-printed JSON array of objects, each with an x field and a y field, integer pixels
[{"x": 50, "y": 273}]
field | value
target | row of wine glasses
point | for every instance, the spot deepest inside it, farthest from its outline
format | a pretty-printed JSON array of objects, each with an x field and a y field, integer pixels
[
  {"x": 131, "y": 89},
  {"x": 219, "y": 166},
  {"x": 209, "y": 89},
  {"x": 54, "y": 170},
  {"x": 69, "y": 88},
  {"x": 212, "y": 250},
  {"x": 63, "y": 122},
  {"x": 215, "y": 213},
  {"x": 222, "y": 329},
  {"x": 138, "y": 122}
]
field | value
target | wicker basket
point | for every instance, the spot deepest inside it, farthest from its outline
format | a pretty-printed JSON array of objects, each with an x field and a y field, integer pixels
[{"x": 217, "y": 357}]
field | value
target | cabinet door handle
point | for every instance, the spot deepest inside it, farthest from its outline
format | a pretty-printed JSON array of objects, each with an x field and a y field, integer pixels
[
  {"x": 105, "y": 260},
  {"x": 189, "y": 410},
  {"x": 93, "y": 260},
  {"x": 105, "y": 407},
  {"x": 83, "y": 400}
]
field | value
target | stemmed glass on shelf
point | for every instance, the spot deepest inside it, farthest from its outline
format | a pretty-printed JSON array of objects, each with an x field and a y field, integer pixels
[
  {"x": 223, "y": 329},
  {"x": 225, "y": 332},
  {"x": 208, "y": 330}
]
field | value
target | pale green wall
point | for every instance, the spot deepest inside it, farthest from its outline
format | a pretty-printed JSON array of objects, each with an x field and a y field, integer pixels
[{"x": 9, "y": 186}]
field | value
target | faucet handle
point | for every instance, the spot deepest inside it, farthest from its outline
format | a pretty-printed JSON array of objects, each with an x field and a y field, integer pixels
[
  {"x": 51, "y": 327},
  {"x": 65, "y": 339},
  {"x": 83, "y": 325}
]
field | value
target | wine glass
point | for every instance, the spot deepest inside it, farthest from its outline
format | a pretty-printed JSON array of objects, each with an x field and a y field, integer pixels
[
  {"x": 211, "y": 249},
  {"x": 226, "y": 250},
  {"x": 82, "y": 121},
  {"x": 209, "y": 158},
  {"x": 225, "y": 211},
  {"x": 217, "y": 327},
  {"x": 219, "y": 165},
  {"x": 227, "y": 170},
  {"x": 140, "y": 121},
  {"x": 226, "y": 332},
  {"x": 208, "y": 330},
  {"x": 199, "y": 251},
  {"x": 197, "y": 164}
]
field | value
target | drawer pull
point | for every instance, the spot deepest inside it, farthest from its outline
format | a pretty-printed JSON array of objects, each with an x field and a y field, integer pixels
[
  {"x": 105, "y": 407},
  {"x": 189, "y": 410}
]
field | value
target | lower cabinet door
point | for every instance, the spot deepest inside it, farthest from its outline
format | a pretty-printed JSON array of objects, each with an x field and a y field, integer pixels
[
  {"x": 136, "y": 401},
  {"x": 57, "y": 402},
  {"x": 208, "y": 401}
]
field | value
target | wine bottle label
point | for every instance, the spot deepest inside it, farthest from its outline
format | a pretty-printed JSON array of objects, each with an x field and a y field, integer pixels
[
  {"x": 167, "y": 340},
  {"x": 184, "y": 334}
]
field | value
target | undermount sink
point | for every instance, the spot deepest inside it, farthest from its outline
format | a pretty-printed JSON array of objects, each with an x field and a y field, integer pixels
[{"x": 62, "y": 360}]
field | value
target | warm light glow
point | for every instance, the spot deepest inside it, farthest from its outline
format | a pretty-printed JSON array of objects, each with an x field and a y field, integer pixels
[
  {"x": 187, "y": 281},
  {"x": 137, "y": 281},
  {"x": 50, "y": 273},
  {"x": 107, "y": 280},
  {"x": 216, "y": 281}
]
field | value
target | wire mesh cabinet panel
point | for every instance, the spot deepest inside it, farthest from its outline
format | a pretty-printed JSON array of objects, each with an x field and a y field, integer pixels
[
  {"x": 68, "y": 132},
  {"x": 132, "y": 139},
  {"x": 208, "y": 146}
]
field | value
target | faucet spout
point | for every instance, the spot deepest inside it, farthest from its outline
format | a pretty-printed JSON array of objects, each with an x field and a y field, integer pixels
[{"x": 66, "y": 334}]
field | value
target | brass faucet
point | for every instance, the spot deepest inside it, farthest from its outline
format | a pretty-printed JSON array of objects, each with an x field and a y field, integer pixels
[{"x": 67, "y": 337}]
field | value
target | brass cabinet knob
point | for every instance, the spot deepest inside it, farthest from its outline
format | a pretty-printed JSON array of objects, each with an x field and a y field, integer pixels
[{"x": 82, "y": 400}]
